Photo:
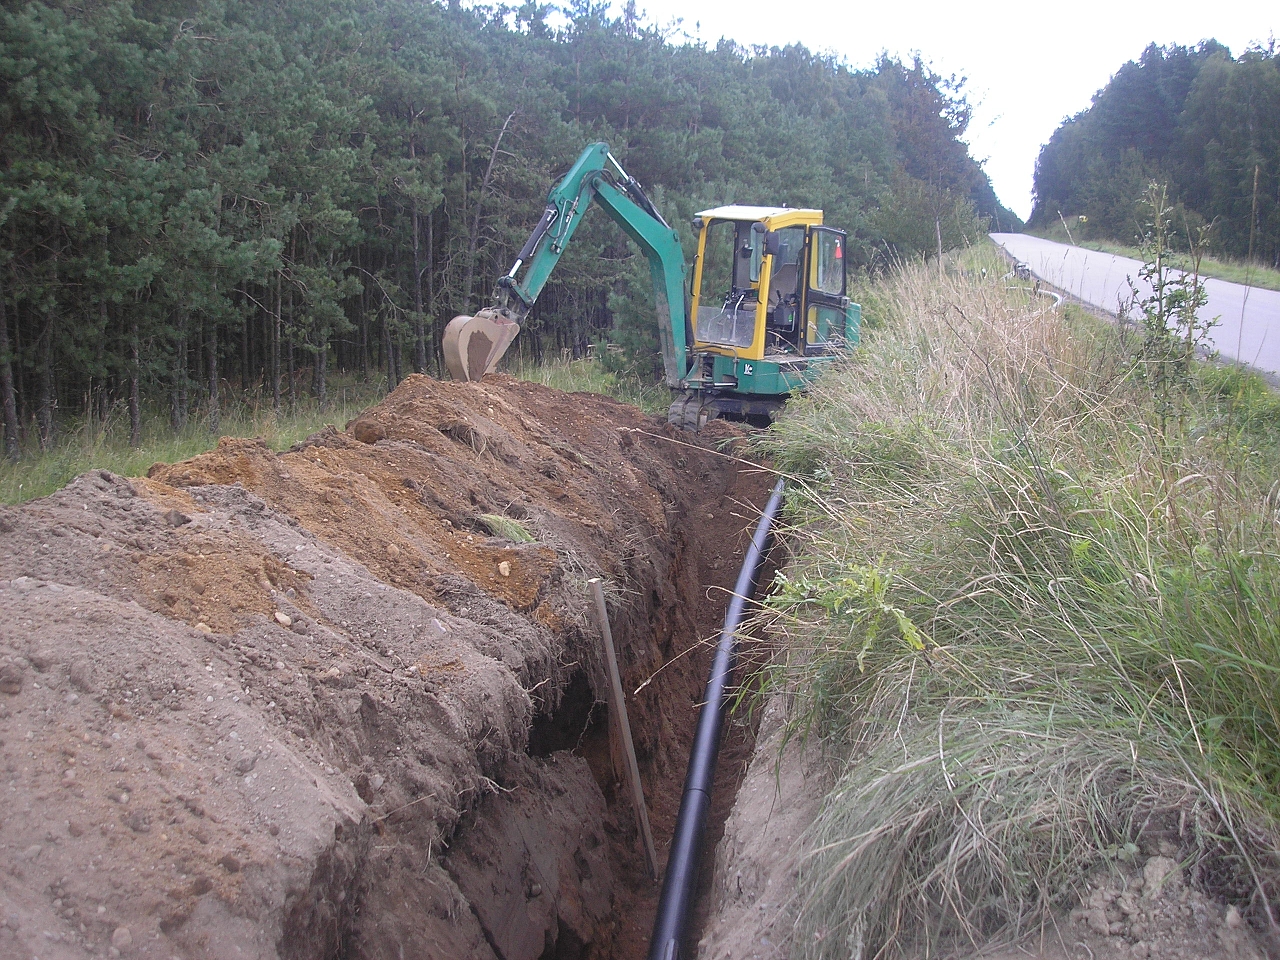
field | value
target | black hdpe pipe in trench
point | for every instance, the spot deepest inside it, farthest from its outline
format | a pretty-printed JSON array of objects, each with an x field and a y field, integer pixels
[{"x": 678, "y": 884}]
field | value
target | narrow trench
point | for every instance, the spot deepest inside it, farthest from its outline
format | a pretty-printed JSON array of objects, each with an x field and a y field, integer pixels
[
  {"x": 582, "y": 724},
  {"x": 552, "y": 850}
]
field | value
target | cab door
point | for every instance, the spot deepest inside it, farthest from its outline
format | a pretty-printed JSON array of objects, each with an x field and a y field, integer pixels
[{"x": 825, "y": 301}]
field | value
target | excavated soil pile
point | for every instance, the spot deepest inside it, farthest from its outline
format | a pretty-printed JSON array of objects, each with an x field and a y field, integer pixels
[{"x": 310, "y": 705}]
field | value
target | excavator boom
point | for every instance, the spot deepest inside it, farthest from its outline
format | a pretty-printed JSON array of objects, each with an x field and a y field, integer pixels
[{"x": 473, "y": 345}]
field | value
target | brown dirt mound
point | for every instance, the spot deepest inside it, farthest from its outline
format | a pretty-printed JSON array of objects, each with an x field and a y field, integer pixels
[{"x": 307, "y": 705}]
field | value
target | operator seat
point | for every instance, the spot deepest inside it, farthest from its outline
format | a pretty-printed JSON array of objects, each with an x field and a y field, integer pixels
[{"x": 782, "y": 285}]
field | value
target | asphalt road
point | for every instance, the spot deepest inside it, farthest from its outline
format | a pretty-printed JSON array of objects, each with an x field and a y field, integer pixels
[{"x": 1248, "y": 318}]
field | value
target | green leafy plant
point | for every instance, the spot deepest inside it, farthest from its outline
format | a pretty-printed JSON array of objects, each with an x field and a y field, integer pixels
[{"x": 1170, "y": 327}]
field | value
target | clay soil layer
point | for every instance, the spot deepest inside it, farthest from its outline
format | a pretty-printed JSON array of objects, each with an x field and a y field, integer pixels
[{"x": 310, "y": 705}]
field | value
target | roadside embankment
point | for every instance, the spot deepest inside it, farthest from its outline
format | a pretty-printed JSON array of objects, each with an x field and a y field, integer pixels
[{"x": 1030, "y": 629}]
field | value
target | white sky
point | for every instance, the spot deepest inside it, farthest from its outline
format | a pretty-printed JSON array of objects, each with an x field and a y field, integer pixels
[{"x": 1029, "y": 64}]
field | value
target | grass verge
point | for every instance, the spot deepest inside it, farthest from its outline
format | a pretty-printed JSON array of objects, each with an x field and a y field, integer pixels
[
  {"x": 89, "y": 443},
  {"x": 1233, "y": 271},
  {"x": 103, "y": 443},
  {"x": 1036, "y": 634},
  {"x": 590, "y": 375}
]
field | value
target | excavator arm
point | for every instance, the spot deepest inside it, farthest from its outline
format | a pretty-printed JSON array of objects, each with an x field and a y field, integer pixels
[{"x": 473, "y": 345}]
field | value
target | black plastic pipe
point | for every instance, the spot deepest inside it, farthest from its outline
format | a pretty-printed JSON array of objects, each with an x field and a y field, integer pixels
[{"x": 686, "y": 844}]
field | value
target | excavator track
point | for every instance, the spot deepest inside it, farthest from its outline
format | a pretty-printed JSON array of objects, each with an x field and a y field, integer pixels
[{"x": 691, "y": 411}]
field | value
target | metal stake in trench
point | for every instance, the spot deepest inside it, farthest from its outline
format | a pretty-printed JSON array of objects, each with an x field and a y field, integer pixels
[{"x": 620, "y": 711}]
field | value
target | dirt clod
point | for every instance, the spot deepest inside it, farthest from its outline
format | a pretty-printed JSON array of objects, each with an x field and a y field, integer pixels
[
  {"x": 1159, "y": 873},
  {"x": 10, "y": 678}
]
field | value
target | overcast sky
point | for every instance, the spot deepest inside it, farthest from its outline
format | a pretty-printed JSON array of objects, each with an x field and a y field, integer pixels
[{"x": 1029, "y": 65}]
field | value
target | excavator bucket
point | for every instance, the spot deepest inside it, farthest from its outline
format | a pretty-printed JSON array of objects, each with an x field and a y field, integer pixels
[{"x": 474, "y": 345}]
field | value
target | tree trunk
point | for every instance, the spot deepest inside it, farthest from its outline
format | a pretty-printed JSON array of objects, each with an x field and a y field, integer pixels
[
  {"x": 246, "y": 346},
  {"x": 419, "y": 321},
  {"x": 48, "y": 398},
  {"x": 8, "y": 397},
  {"x": 474, "y": 240},
  {"x": 436, "y": 328},
  {"x": 322, "y": 364},
  {"x": 364, "y": 344},
  {"x": 291, "y": 372},
  {"x": 135, "y": 378},
  {"x": 388, "y": 356},
  {"x": 275, "y": 352},
  {"x": 215, "y": 413},
  {"x": 178, "y": 390}
]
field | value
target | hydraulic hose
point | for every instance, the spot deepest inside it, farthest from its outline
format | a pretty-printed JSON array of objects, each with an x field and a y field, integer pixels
[{"x": 682, "y": 862}]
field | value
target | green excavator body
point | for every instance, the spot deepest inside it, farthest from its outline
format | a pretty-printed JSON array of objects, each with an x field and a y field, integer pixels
[{"x": 767, "y": 306}]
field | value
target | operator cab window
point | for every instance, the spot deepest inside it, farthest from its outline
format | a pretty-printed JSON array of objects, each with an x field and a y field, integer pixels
[
  {"x": 727, "y": 299},
  {"x": 784, "y": 290},
  {"x": 827, "y": 274},
  {"x": 825, "y": 304}
]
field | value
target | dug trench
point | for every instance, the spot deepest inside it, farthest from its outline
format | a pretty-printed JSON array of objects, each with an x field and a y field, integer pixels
[{"x": 347, "y": 701}]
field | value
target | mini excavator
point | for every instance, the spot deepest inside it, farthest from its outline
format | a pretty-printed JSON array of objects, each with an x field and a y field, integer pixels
[{"x": 766, "y": 311}]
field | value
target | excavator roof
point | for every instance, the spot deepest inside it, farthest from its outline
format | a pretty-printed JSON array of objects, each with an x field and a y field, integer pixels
[{"x": 743, "y": 212}]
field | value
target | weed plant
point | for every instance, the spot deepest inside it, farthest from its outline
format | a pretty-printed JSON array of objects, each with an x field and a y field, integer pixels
[
  {"x": 506, "y": 528},
  {"x": 1036, "y": 632}
]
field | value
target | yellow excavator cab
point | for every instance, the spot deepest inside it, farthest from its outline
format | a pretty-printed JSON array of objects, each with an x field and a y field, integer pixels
[{"x": 764, "y": 282}]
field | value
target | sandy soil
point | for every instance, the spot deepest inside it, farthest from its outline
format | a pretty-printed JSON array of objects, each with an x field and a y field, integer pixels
[{"x": 264, "y": 705}]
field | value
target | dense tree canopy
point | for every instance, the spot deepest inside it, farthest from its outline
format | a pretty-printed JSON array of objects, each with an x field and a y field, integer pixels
[
  {"x": 1196, "y": 118},
  {"x": 198, "y": 195}
]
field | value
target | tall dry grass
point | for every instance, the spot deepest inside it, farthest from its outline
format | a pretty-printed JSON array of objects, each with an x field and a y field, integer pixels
[{"x": 1037, "y": 633}]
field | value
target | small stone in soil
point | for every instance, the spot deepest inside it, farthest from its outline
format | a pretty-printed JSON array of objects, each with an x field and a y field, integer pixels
[{"x": 10, "y": 678}]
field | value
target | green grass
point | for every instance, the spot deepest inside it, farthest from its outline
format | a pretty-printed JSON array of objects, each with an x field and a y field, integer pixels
[
  {"x": 506, "y": 527},
  {"x": 1234, "y": 271},
  {"x": 591, "y": 376},
  {"x": 93, "y": 443},
  {"x": 1033, "y": 632}
]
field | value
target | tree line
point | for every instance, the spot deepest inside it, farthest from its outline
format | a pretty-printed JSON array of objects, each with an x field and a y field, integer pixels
[
  {"x": 203, "y": 196},
  {"x": 1196, "y": 118}
]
